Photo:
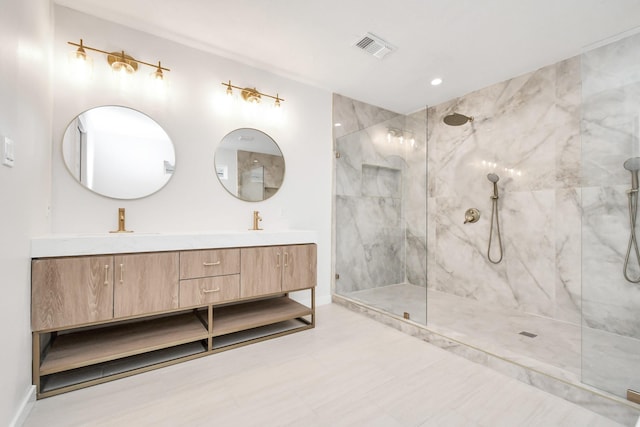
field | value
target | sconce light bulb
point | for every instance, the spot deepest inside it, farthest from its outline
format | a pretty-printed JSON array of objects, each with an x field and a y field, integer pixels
[
  {"x": 158, "y": 74},
  {"x": 81, "y": 64},
  {"x": 277, "y": 103},
  {"x": 229, "y": 89},
  {"x": 81, "y": 55},
  {"x": 121, "y": 64}
]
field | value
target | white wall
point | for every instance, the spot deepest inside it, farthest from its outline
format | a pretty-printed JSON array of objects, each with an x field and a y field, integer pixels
[
  {"x": 25, "y": 116},
  {"x": 193, "y": 200}
]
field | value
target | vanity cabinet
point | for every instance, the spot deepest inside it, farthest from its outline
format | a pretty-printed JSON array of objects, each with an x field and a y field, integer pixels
[
  {"x": 98, "y": 318},
  {"x": 79, "y": 290},
  {"x": 299, "y": 267},
  {"x": 277, "y": 269},
  {"x": 209, "y": 276},
  {"x": 145, "y": 283},
  {"x": 71, "y": 291}
]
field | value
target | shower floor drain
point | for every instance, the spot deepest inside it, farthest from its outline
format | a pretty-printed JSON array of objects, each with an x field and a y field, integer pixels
[{"x": 528, "y": 334}]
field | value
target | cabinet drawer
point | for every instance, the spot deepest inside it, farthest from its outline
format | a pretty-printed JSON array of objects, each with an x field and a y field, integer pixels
[
  {"x": 215, "y": 262},
  {"x": 209, "y": 290}
]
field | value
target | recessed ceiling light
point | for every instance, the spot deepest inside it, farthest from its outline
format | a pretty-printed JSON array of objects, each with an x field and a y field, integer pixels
[
  {"x": 436, "y": 81},
  {"x": 337, "y": 125}
]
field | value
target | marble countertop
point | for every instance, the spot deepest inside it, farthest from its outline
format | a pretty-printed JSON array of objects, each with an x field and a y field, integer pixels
[{"x": 55, "y": 245}]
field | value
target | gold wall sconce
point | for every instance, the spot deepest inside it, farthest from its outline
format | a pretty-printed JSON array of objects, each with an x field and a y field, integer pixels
[
  {"x": 120, "y": 62},
  {"x": 251, "y": 95}
]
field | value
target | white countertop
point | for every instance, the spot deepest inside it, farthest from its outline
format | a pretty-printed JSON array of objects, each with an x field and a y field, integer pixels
[{"x": 56, "y": 245}]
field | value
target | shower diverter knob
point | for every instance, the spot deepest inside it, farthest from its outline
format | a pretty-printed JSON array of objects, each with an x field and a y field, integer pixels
[{"x": 471, "y": 215}]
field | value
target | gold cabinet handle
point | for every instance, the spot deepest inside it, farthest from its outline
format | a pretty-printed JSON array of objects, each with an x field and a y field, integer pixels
[
  {"x": 286, "y": 259},
  {"x": 106, "y": 274},
  {"x": 209, "y": 264},
  {"x": 278, "y": 260},
  {"x": 121, "y": 273},
  {"x": 209, "y": 291}
]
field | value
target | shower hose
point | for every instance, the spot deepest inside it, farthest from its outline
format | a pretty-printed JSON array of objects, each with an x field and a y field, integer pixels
[
  {"x": 632, "y": 195},
  {"x": 494, "y": 214}
]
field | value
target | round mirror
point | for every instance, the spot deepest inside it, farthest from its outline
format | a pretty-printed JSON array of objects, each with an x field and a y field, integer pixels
[
  {"x": 249, "y": 164},
  {"x": 118, "y": 152}
]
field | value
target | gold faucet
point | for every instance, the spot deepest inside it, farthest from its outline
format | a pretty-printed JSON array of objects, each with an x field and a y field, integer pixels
[
  {"x": 121, "y": 227},
  {"x": 256, "y": 218}
]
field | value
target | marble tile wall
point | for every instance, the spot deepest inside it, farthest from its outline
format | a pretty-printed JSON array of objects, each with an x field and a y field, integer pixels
[
  {"x": 381, "y": 238},
  {"x": 610, "y": 135},
  {"x": 527, "y": 131}
]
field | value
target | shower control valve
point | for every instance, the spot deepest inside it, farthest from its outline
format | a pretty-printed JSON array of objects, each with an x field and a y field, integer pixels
[{"x": 471, "y": 215}]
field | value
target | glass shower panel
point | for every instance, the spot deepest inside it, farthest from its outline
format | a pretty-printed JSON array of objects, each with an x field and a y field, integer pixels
[
  {"x": 610, "y": 137},
  {"x": 380, "y": 208}
]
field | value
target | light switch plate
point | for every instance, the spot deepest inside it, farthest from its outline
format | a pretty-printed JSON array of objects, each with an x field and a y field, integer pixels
[{"x": 8, "y": 151}]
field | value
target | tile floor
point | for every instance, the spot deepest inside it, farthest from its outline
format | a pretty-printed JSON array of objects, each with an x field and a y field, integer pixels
[
  {"x": 348, "y": 371},
  {"x": 555, "y": 350}
]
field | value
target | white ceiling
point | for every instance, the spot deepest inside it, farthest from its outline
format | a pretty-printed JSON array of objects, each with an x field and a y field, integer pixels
[{"x": 470, "y": 44}]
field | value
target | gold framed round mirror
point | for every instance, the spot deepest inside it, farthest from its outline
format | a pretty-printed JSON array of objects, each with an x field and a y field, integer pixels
[
  {"x": 118, "y": 152},
  {"x": 249, "y": 164}
]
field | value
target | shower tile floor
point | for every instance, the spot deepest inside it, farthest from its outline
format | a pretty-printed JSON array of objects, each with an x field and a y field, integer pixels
[{"x": 555, "y": 350}]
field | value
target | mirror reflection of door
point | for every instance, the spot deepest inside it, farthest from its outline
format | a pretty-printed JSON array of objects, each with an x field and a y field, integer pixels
[
  {"x": 118, "y": 152},
  {"x": 75, "y": 151}
]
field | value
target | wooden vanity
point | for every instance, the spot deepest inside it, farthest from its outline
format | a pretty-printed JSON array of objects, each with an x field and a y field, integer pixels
[{"x": 97, "y": 317}]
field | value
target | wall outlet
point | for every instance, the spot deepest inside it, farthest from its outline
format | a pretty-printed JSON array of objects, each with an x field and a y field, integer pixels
[{"x": 8, "y": 151}]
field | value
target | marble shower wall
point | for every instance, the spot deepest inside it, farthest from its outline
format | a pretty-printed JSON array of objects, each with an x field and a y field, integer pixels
[
  {"x": 610, "y": 135},
  {"x": 527, "y": 131},
  {"x": 380, "y": 238}
]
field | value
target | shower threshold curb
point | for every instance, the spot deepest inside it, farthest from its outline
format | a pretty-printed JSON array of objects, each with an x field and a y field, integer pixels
[{"x": 598, "y": 401}]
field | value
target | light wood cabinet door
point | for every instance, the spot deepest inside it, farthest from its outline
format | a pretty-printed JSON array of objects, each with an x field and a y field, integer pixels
[
  {"x": 299, "y": 263},
  {"x": 145, "y": 283},
  {"x": 260, "y": 271},
  {"x": 71, "y": 291}
]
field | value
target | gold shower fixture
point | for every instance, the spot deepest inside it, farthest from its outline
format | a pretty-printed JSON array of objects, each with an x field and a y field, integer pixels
[
  {"x": 119, "y": 61},
  {"x": 251, "y": 95}
]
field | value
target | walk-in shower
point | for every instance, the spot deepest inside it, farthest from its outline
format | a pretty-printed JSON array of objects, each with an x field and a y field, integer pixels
[
  {"x": 380, "y": 211},
  {"x": 560, "y": 201}
]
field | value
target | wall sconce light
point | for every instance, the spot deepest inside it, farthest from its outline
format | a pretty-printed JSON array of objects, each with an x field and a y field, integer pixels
[
  {"x": 120, "y": 62},
  {"x": 251, "y": 95}
]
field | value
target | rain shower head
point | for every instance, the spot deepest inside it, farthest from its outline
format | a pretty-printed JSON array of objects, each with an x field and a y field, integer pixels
[
  {"x": 632, "y": 164},
  {"x": 493, "y": 177},
  {"x": 457, "y": 119}
]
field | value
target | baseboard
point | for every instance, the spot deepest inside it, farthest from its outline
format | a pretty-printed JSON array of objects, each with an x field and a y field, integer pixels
[{"x": 25, "y": 407}]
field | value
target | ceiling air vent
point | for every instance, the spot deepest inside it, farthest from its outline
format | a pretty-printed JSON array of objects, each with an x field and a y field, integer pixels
[{"x": 374, "y": 45}]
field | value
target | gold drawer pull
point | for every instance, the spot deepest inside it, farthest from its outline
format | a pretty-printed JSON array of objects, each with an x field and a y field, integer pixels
[
  {"x": 209, "y": 264},
  {"x": 209, "y": 291},
  {"x": 121, "y": 273}
]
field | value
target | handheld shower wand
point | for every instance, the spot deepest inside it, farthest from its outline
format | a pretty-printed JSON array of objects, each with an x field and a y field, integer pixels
[
  {"x": 632, "y": 165},
  {"x": 492, "y": 177}
]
